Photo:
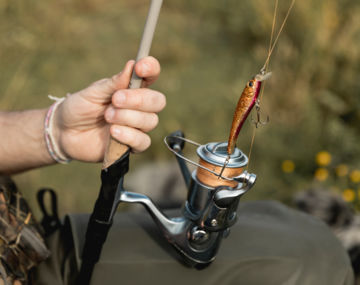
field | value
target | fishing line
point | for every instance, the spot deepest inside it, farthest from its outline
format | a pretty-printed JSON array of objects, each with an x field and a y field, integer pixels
[
  {"x": 273, "y": 25},
  {"x": 267, "y": 61},
  {"x": 265, "y": 68},
  {"x": 278, "y": 35}
]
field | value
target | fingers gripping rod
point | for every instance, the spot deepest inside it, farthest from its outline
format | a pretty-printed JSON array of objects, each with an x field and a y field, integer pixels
[{"x": 115, "y": 149}]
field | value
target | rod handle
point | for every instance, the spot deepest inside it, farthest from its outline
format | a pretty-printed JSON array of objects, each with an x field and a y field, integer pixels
[{"x": 115, "y": 149}]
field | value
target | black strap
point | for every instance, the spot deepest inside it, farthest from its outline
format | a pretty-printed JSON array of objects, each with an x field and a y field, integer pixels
[{"x": 50, "y": 221}]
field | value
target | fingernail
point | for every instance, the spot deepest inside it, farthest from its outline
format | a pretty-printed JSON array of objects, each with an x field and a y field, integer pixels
[
  {"x": 145, "y": 68},
  {"x": 120, "y": 97},
  {"x": 110, "y": 113},
  {"x": 117, "y": 131}
]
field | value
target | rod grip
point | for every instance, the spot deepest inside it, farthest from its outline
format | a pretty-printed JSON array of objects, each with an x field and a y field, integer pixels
[{"x": 115, "y": 149}]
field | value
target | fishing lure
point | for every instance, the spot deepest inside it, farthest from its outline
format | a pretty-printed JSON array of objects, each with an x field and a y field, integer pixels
[{"x": 247, "y": 101}]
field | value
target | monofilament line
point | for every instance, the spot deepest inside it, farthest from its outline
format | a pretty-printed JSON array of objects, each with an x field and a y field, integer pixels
[{"x": 267, "y": 61}]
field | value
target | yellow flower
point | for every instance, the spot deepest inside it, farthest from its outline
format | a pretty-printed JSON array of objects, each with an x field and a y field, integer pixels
[
  {"x": 288, "y": 166},
  {"x": 348, "y": 195},
  {"x": 321, "y": 174},
  {"x": 355, "y": 176},
  {"x": 323, "y": 158},
  {"x": 342, "y": 170}
]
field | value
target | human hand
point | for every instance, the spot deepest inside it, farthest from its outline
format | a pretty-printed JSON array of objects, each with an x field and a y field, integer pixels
[{"x": 83, "y": 121}]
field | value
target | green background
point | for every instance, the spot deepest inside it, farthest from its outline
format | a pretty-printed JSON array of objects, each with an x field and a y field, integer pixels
[{"x": 208, "y": 51}]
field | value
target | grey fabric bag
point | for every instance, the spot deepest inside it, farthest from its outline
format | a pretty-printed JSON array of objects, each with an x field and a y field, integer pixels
[{"x": 270, "y": 244}]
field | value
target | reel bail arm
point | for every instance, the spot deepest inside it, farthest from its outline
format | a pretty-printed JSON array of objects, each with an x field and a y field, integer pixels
[{"x": 176, "y": 143}]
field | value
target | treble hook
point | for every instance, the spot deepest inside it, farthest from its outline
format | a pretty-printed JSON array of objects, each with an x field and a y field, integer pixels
[{"x": 258, "y": 120}]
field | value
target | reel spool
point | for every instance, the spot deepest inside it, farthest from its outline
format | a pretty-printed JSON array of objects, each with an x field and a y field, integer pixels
[{"x": 212, "y": 157}]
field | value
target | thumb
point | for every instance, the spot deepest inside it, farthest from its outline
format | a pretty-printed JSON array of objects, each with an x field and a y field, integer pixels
[{"x": 106, "y": 87}]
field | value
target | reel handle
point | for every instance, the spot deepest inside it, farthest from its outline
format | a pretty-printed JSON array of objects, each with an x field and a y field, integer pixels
[
  {"x": 115, "y": 150},
  {"x": 175, "y": 142}
]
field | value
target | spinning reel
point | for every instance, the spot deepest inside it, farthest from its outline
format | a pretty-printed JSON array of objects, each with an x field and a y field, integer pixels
[{"x": 212, "y": 200}]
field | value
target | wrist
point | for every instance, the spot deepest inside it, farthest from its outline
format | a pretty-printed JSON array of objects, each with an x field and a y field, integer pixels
[{"x": 52, "y": 132}]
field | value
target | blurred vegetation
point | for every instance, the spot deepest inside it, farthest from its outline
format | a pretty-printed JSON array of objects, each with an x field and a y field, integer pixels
[{"x": 208, "y": 51}]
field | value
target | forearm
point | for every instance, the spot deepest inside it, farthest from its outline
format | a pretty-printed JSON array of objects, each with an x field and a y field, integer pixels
[
  {"x": 22, "y": 144},
  {"x": 79, "y": 127}
]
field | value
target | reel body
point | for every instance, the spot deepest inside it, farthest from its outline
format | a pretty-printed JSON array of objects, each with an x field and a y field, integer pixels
[{"x": 212, "y": 200}]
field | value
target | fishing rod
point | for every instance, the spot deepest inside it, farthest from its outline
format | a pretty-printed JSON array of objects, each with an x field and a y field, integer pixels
[
  {"x": 208, "y": 213},
  {"x": 115, "y": 166},
  {"x": 214, "y": 187}
]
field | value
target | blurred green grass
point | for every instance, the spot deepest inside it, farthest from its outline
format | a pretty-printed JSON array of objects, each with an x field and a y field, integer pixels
[{"x": 208, "y": 51}]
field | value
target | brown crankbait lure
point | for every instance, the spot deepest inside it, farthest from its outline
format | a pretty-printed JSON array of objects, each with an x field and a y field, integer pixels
[{"x": 246, "y": 102}]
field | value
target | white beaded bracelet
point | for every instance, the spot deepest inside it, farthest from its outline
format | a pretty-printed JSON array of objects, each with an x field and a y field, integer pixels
[{"x": 51, "y": 144}]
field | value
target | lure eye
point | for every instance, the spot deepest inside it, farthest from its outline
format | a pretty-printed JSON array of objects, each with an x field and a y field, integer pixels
[{"x": 251, "y": 84}]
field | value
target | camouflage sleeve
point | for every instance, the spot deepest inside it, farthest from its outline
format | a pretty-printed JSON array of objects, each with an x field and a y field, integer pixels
[{"x": 21, "y": 244}]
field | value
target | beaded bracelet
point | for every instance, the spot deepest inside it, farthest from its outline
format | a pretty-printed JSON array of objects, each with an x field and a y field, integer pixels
[{"x": 51, "y": 144}]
